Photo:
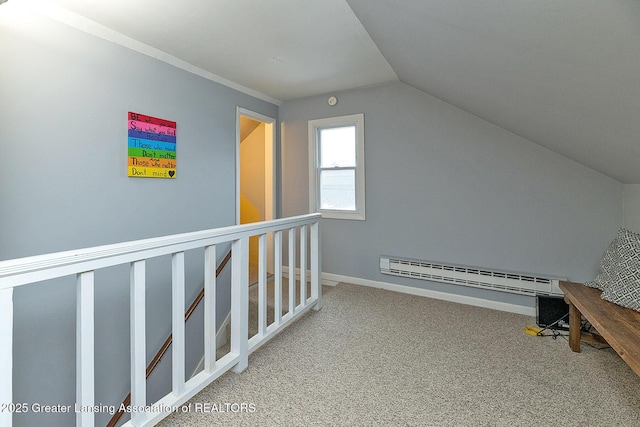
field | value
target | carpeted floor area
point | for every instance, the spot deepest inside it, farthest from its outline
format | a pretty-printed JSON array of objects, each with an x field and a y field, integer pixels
[{"x": 372, "y": 357}]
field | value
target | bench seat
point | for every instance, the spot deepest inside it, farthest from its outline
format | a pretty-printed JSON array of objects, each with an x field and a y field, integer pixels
[{"x": 619, "y": 326}]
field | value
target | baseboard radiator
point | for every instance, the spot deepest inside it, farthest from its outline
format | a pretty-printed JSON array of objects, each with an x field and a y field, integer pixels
[{"x": 518, "y": 283}]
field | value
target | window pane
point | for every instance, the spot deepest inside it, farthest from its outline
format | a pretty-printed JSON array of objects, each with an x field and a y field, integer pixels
[
  {"x": 338, "y": 190},
  {"x": 338, "y": 147}
]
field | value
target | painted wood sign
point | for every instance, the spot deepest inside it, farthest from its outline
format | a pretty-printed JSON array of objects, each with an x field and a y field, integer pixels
[{"x": 152, "y": 147}]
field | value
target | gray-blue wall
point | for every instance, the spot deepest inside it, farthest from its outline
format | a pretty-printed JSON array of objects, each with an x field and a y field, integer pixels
[
  {"x": 444, "y": 185},
  {"x": 631, "y": 206},
  {"x": 64, "y": 98},
  {"x": 441, "y": 185}
]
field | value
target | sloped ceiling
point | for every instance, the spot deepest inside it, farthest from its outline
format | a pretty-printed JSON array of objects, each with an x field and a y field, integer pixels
[
  {"x": 564, "y": 74},
  {"x": 246, "y": 127}
]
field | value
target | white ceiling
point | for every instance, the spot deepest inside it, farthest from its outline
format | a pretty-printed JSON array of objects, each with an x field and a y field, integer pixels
[
  {"x": 562, "y": 73},
  {"x": 285, "y": 49}
]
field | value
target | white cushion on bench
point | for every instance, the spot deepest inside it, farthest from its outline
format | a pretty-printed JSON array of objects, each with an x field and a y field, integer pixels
[
  {"x": 624, "y": 286},
  {"x": 608, "y": 266}
]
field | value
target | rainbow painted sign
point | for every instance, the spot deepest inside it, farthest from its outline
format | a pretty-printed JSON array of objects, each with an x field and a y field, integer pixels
[{"x": 152, "y": 147}]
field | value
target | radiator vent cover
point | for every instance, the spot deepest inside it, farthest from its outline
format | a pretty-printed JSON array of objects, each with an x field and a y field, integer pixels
[{"x": 519, "y": 283}]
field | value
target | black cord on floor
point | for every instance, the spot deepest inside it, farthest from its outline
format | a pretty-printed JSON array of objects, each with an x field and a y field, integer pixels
[
  {"x": 585, "y": 326},
  {"x": 554, "y": 332}
]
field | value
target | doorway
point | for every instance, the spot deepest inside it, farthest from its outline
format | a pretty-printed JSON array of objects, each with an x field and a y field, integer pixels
[{"x": 255, "y": 180}]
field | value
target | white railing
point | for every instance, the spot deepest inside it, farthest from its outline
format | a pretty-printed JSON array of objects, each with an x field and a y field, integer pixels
[{"x": 83, "y": 264}]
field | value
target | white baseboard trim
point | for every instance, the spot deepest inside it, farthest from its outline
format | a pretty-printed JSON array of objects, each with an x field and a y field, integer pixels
[
  {"x": 198, "y": 369},
  {"x": 325, "y": 280},
  {"x": 445, "y": 296},
  {"x": 331, "y": 279},
  {"x": 222, "y": 337}
]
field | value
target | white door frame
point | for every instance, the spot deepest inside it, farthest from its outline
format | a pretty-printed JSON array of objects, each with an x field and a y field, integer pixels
[{"x": 270, "y": 163}]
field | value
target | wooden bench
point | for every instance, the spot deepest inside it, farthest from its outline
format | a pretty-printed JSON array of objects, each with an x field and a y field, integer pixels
[{"x": 619, "y": 326}]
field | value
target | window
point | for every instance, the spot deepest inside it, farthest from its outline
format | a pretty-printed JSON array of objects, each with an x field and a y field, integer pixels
[{"x": 336, "y": 167}]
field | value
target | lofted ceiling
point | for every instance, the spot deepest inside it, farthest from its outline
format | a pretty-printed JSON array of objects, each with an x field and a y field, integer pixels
[
  {"x": 564, "y": 74},
  {"x": 247, "y": 126}
]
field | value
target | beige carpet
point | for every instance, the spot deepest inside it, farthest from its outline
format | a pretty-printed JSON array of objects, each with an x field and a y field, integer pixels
[{"x": 372, "y": 357}]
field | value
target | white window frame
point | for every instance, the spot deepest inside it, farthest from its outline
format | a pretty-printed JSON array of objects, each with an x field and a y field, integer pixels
[{"x": 356, "y": 120}]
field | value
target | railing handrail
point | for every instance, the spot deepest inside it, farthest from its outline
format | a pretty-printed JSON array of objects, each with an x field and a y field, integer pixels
[
  {"x": 22, "y": 271},
  {"x": 84, "y": 263},
  {"x": 167, "y": 343}
]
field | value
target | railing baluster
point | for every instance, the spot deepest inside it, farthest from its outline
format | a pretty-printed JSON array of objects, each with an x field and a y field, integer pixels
[
  {"x": 210, "y": 309},
  {"x": 240, "y": 302},
  {"x": 316, "y": 265},
  {"x": 177, "y": 322},
  {"x": 277, "y": 303},
  {"x": 6, "y": 353},
  {"x": 85, "y": 329},
  {"x": 84, "y": 263},
  {"x": 303, "y": 265},
  {"x": 292, "y": 271},
  {"x": 138, "y": 341},
  {"x": 262, "y": 284}
]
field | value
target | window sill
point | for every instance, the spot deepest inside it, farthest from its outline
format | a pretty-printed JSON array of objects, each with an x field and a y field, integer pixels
[{"x": 355, "y": 216}]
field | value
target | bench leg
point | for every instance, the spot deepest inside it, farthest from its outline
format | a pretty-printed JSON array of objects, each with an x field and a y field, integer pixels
[{"x": 575, "y": 319}]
